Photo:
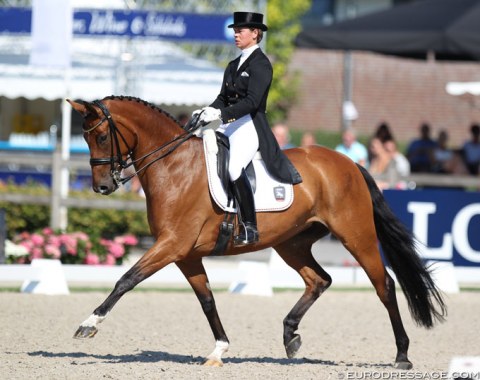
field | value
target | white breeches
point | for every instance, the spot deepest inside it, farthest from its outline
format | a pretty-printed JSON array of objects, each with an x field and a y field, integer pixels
[{"x": 243, "y": 144}]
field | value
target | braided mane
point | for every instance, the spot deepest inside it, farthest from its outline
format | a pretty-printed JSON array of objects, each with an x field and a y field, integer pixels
[{"x": 141, "y": 101}]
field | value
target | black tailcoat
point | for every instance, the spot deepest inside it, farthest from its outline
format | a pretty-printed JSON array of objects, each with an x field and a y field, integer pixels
[{"x": 245, "y": 91}]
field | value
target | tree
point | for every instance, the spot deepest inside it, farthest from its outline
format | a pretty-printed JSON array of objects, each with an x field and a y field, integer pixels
[{"x": 283, "y": 20}]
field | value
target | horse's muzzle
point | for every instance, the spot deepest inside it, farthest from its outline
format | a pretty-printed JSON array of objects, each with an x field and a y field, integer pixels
[{"x": 105, "y": 189}]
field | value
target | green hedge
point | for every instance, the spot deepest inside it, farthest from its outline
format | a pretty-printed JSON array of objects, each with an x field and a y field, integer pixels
[{"x": 94, "y": 222}]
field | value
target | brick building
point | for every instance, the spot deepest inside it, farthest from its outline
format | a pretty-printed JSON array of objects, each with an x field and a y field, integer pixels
[{"x": 402, "y": 92}]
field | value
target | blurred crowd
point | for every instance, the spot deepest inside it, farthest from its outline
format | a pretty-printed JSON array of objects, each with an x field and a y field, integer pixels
[
  {"x": 388, "y": 164},
  {"x": 383, "y": 158}
]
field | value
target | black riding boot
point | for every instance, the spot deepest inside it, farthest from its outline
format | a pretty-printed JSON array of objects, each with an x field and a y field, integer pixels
[{"x": 242, "y": 191}]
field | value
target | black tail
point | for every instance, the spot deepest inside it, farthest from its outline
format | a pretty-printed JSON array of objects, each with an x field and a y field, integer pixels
[{"x": 424, "y": 299}]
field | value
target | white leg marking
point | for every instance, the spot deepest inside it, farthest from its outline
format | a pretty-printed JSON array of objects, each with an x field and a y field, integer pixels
[
  {"x": 92, "y": 321},
  {"x": 220, "y": 348}
]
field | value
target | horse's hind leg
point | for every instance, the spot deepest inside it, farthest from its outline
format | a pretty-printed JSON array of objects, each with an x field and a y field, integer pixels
[
  {"x": 362, "y": 244},
  {"x": 296, "y": 252},
  {"x": 194, "y": 272}
]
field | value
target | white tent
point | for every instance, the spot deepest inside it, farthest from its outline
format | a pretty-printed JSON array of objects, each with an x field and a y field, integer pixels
[{"x": 158, "y": 72}]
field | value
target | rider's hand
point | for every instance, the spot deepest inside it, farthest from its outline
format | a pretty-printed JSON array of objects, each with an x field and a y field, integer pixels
[
  {"x": 196, "y": 112},
  {"x": 210, "y": 114}
]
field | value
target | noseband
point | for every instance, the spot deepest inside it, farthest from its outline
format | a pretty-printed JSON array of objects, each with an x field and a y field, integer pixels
[{"x": 116, "y": 161}]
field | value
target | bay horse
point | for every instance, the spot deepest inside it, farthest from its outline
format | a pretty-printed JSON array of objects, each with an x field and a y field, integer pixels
[{"x": 336, "y": 196}]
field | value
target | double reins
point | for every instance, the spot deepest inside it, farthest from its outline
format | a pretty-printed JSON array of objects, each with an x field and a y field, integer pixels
[{"x": 116, "y": 160}]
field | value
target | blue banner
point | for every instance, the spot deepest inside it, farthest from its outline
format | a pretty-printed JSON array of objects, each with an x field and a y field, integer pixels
[
  {"x": 173, "y": 26},
  {"x": 446, "y": 222}
]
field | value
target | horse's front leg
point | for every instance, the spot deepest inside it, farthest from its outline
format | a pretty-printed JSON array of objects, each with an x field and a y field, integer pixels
[
  {"x": 194, "y": 271},
  {"x": 152, "y": 261}
]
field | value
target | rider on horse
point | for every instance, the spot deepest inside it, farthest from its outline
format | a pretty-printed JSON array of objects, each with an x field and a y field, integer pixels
[{"x": 241, "y": 106}]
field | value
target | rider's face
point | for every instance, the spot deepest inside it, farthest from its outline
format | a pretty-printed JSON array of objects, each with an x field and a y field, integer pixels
[{"x": 245, "y": 37}]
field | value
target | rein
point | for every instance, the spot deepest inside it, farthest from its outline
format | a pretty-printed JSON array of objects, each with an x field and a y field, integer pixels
[{"x": 190, "y": 129}]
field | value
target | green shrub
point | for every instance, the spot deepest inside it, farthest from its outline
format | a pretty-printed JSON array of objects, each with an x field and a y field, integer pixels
[{"x": 106, "y": 223}]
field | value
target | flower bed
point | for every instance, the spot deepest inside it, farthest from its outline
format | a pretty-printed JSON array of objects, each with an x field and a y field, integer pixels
[{"x": 70, "y": 248}]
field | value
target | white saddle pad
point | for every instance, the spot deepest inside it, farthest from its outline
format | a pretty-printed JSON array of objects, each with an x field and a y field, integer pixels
[{"x": 270, "y": 195}]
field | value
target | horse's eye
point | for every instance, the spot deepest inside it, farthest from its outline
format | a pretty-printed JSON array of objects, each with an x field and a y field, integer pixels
[{"x": 102, "y": 138}]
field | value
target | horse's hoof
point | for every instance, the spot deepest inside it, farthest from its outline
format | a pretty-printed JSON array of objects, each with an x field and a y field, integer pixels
[
  {"x": 406, "y": 365},
  {"x": 293, "y": 346},
  {"x": 85, "y": 332},
  {"x": 213, "y": 363}
]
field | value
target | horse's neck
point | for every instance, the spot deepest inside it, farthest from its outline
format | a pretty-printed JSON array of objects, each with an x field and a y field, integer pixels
[
  {"x": 155, "y": 130},
  {"x": 177, "y": 167}
]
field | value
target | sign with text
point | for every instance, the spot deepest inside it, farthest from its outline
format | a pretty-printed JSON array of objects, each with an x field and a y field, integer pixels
[
  {"x": 130, "y": 23},
  {"x": 445, "y": 222}
]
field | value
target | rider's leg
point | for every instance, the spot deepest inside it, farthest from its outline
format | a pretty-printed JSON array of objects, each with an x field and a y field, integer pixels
[
  {"x": 242, "y": 191},
  {"x": 243, "y": 146}
]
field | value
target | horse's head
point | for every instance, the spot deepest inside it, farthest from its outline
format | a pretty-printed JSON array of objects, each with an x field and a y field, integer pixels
[{"x": 110, "y": 142}]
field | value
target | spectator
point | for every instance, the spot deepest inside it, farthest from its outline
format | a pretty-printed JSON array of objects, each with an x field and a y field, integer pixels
[
  {"x": 308, "y": 139},
  {"x": 380, "y": 158},
  {"x": 456, "y": 165},
  {"x": 471, "y": 150},
  {"x": 282, "y": 134},
  {"x": 420, "y": 151},
  {"x": 401, "y": 164},
  {"x": 382, "y": 133},
  {"x": 389, "y": 162},
  {"x": 353, "y": 149},
  {"x": 442, "y": 154}
]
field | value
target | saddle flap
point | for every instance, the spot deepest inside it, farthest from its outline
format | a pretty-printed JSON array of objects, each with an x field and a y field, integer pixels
[{"x": 270, "y": 194}]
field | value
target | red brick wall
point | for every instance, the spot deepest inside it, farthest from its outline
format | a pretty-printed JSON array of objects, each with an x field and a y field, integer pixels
[{"x": 402, "y": 92}]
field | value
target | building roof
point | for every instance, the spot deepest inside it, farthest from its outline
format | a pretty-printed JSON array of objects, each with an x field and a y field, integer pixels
[{"x": 153, "y": 70}]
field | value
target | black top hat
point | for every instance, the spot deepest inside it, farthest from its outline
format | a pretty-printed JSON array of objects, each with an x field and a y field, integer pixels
[{"x": 248, "y": 19}]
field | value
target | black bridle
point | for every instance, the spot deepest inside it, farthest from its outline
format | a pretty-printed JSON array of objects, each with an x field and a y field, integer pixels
[{"x": 116, "y": 161}]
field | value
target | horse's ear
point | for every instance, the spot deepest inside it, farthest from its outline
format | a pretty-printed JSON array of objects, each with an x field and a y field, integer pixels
[{"x": 82, "y": 107}]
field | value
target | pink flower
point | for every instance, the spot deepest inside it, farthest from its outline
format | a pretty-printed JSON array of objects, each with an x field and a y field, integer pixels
[
  {"x": 37, "y": 239},
  {"x": 47, "y": 231},
  {"x": 53, "y": 251},
  {"x": 21, "y": 260},
  {"x": 92, "y": 259},
  {"x": 127, "y": 240},
  {"x": 36, "y": 253},
  {"x": 24, "y": 235},
  {"x": 28, "y": 245},
  {"x": 54, "y": 240},
  {"x": 115, "y": 249},
  {"x": 80, "y": 236},
  {"x": 70, "y": 243},
  {"x": 110, "y": 260}
]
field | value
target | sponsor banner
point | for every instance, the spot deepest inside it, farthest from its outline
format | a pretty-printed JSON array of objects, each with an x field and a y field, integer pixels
[
  {"x": 445, "y": 222},
  {"x": 128, "y": 23}
]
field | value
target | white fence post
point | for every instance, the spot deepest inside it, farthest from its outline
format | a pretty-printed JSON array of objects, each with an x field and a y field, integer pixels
[{"x": 56, "y": 206}]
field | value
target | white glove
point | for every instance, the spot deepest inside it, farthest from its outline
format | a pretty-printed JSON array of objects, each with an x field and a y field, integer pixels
[
  {"x": 210, "y": 114},
  {"x": 195, "y": 113}
]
